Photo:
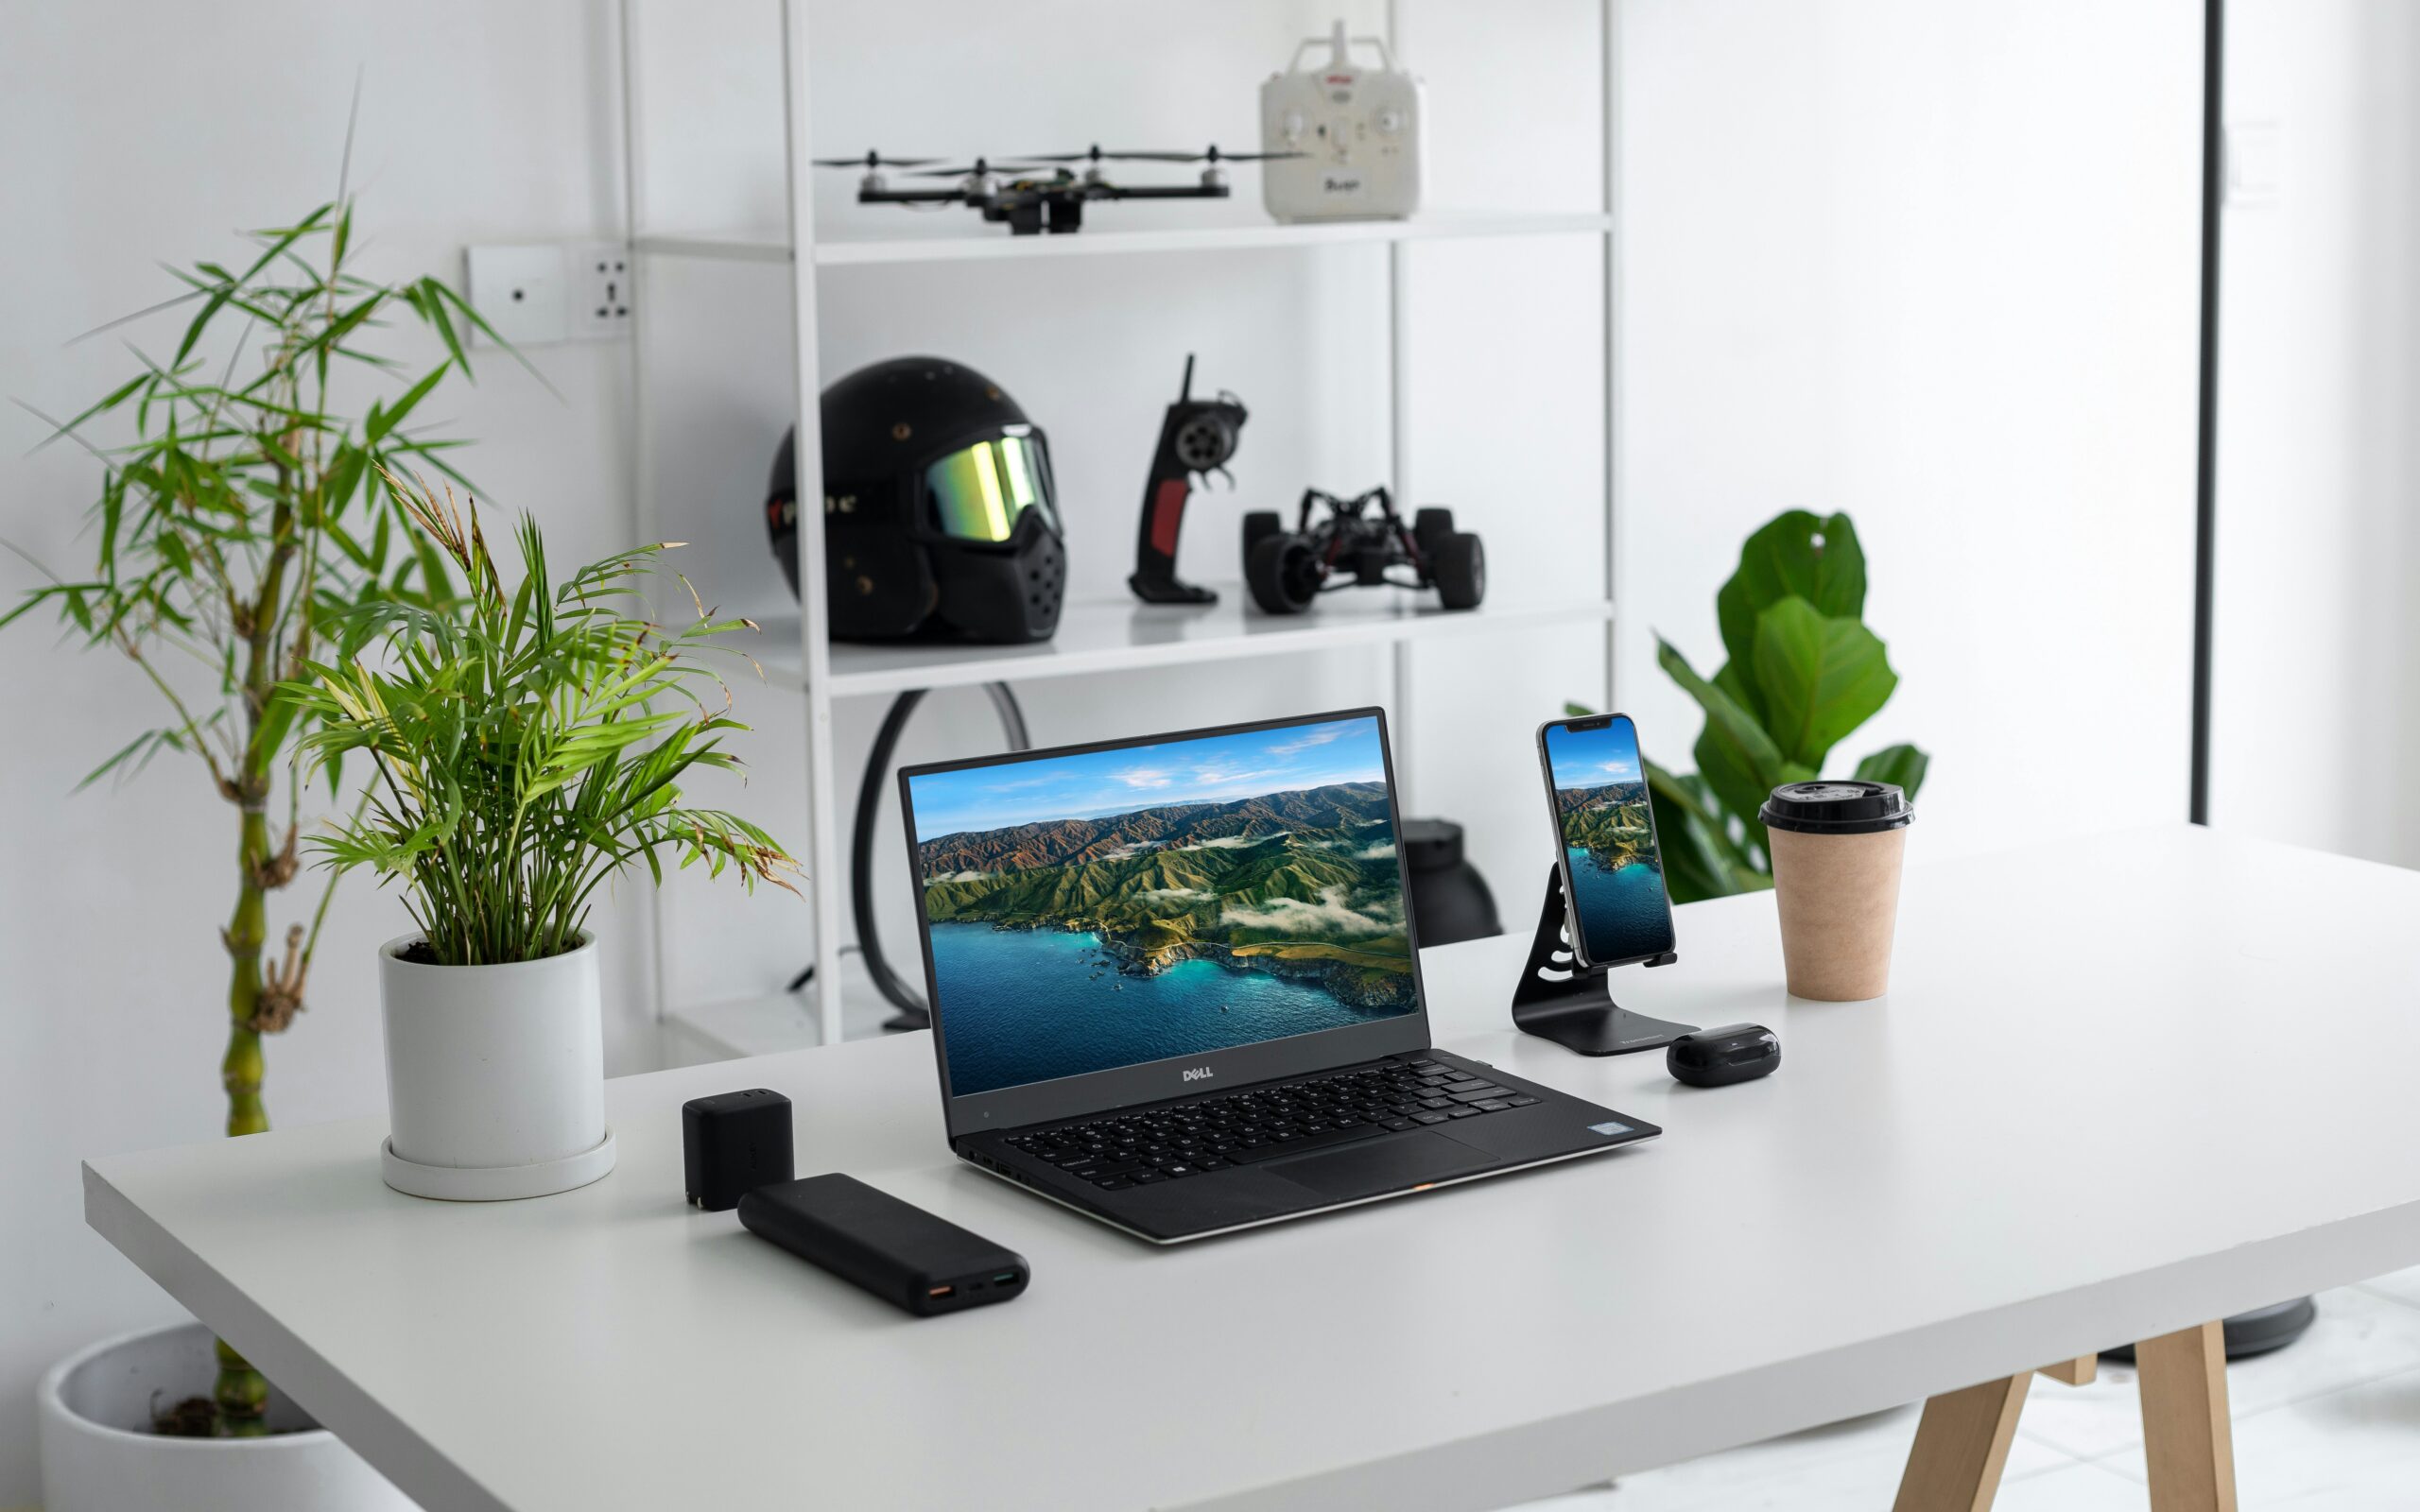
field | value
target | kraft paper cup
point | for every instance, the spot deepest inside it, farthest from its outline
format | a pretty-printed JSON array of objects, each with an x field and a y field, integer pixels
[{"x": 1836, "y": 850}]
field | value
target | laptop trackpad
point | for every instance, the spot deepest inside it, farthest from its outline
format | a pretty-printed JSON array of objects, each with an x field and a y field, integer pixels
[{"x": 1382, "y": 1165}]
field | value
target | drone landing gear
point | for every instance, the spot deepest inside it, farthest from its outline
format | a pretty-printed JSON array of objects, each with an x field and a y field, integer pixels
[{"x": 1572, "y": 1004}]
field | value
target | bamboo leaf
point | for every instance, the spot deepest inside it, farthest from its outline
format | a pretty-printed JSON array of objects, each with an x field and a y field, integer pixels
[{"x": 385, "y": 419}]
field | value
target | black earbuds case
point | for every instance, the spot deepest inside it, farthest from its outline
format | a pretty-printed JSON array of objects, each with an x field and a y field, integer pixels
[{"x": 1719, "y": 1057}]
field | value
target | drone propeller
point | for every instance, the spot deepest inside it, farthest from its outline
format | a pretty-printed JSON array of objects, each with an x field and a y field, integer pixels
[
  {"x": 1204, "y": 156},
  {"x": 874, "y": 159},
  {"x": 1095, "y": 155},
  {"x": 978, "y": 168},
  {"x": 1213, "y": 155}
]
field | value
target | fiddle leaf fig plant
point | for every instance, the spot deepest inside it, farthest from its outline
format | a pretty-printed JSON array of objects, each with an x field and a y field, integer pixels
[
  {"x": 525, "y": 744},
  {"x": 1803, "y": 672}
]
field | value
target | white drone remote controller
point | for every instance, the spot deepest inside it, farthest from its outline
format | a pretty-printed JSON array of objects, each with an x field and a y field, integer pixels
[{"x": 1357, "y": 128}]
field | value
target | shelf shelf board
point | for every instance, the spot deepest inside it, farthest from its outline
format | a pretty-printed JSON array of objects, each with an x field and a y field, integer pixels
[
  {"x": 1124, "y": 635},
  {"x": 965, "y": 238}
]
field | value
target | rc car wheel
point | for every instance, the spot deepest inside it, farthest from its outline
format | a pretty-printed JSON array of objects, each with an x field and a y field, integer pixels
[
  {"x": 1257, "y": 524},
  {"x": 1460, "y": 569},
  {"x": 1429, "y": 526},
  {"x": 1284, "y": 573}
]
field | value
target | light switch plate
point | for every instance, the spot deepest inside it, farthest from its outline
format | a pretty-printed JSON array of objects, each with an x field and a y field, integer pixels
[
  {"x": 520, "y": 291},
  {"x": 2255, "y": 162}
]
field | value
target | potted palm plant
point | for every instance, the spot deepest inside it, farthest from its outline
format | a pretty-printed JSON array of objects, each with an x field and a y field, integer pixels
[
  {"x": 526, "y": 746},
  {"x": 237, "y": 525}
]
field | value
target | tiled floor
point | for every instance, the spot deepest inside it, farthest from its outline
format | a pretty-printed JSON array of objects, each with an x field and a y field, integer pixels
[{"x": 2332, "y": 1423}]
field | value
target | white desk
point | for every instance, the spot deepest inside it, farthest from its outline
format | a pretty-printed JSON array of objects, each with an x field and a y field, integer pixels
[{"x": 2087, "y": 1114}]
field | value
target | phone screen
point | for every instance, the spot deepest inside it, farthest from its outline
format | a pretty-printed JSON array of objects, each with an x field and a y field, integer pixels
[{"x": 1610, "y": 863}]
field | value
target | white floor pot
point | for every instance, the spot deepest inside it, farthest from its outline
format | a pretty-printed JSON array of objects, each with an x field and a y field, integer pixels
[
  {"x": 495, "y": 1075},
  {"x": 98, "y": 1453}
]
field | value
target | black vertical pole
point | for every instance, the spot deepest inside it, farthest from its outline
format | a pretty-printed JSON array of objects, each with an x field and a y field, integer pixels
[
  {"x": 2205, "y": 499},
  {"x": 2279, "y": 1324}
]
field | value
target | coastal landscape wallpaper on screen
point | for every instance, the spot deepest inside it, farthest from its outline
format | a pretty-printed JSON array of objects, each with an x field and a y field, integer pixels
[
  {"x": 1107, "y": 908},
  {"x": 1609, "y": 841}
]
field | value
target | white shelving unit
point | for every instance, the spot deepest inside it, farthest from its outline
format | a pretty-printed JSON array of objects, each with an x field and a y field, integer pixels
[{"x": 1094, "y": 637}]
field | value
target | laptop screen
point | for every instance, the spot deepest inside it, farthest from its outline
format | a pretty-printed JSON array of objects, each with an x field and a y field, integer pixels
[{"x": 1100, "y": 908}]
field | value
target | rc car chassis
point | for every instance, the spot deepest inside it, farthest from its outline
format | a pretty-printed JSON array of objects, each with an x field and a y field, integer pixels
[{"x": 1361, "y": 543}]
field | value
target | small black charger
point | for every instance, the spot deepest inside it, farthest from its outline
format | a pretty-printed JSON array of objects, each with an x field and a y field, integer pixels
[{"x": 734, "y": 1143}]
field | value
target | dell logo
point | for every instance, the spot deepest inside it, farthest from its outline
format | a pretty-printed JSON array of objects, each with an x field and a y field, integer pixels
[{"x": 1197, "y": 1073}]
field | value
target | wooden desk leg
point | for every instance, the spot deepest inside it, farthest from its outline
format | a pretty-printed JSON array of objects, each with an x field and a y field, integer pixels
[
  {"x": 1962, "y": 1444},
  {"x": 2078, "y": 1371},
  {"x": 2185, "y": 1437}
]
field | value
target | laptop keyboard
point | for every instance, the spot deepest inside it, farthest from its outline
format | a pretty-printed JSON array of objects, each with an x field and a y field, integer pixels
[{"x": 1121, "y": 1150}]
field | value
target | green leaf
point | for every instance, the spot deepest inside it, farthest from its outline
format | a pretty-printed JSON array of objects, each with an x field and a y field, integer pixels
[
  {"x": 145, "y": 743},
  {"x": 1734, "y": 755},
  {"x": 1783, "y": 557},
  {"x": 1700, "y": 858},
  {"x": 277, "y": 720},
  {"x": 1733, "y": 682},
  {"x": 1820, "y": 678},
  {"x": 1902, "y": 766},
  {"x": 385, "y": 420}
]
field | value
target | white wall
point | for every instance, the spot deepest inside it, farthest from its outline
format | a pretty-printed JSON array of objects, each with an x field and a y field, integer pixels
[
  {"x": 1928, "y": 263},
  {"x": 1932, "y": 264},
  {"x": 2317, "y": 696}
]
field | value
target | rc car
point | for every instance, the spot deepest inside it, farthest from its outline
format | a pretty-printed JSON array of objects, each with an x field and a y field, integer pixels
[{"x": 1361, "y": 543}]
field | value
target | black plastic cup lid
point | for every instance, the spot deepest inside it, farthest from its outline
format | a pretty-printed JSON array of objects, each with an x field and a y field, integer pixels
[{"x": 1837, "y": 808}]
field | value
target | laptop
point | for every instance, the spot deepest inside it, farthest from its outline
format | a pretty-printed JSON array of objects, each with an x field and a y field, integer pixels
[{"x": 1176, "y": 984}]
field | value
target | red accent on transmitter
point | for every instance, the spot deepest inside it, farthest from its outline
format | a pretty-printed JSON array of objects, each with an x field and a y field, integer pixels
[{"x": 1168, "y": 511}]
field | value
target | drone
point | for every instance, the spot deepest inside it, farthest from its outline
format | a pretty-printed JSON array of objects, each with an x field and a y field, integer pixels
[{"x": 1039, "y": 192}]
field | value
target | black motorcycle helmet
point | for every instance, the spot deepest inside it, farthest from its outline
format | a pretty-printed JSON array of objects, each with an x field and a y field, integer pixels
[{"x": 938, "y": 511}]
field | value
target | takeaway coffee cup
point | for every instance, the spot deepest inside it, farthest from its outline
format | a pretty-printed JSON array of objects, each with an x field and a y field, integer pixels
[{"x": 1836, "y": 849}]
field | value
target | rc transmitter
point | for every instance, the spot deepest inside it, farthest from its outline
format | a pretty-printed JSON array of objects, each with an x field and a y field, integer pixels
[{"x": 1357, "y": 128}]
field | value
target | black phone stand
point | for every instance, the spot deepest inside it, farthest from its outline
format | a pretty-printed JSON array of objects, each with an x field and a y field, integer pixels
[{"x": 1572, "y": 1004}]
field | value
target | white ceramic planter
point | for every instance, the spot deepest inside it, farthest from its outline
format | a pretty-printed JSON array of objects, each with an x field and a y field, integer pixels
[
  {"x": 100, "y": 1455},
  {"x": 495, "y": 1075}
]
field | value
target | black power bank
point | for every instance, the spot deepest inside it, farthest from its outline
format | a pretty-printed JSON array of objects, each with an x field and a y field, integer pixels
[{"x": 894, "y": 1249}]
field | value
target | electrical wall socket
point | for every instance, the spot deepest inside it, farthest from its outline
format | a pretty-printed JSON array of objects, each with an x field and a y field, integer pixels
[
  {"x": 540, "y": 292},
  {"x": 599, "y": 277}
]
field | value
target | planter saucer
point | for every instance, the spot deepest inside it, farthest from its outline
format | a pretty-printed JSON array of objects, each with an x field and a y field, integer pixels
[{"x": 495, "y": 1183}]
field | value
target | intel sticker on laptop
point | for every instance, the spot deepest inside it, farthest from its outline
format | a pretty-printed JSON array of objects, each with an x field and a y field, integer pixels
[{"x": 1611, "y": 1127}]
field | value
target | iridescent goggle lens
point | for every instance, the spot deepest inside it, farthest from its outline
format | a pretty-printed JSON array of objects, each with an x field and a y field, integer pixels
[{"x": 979, "y": 492}]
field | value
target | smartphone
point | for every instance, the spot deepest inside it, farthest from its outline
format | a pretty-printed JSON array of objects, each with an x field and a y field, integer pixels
[{"x": 1604, "y": 831}]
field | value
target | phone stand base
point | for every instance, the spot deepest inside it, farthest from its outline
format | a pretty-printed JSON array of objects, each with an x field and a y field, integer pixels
[{"x": 1572, "y": 1004}]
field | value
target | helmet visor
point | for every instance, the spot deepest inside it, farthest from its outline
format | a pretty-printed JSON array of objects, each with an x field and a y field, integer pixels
[{"x": 979, "y": 492}]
